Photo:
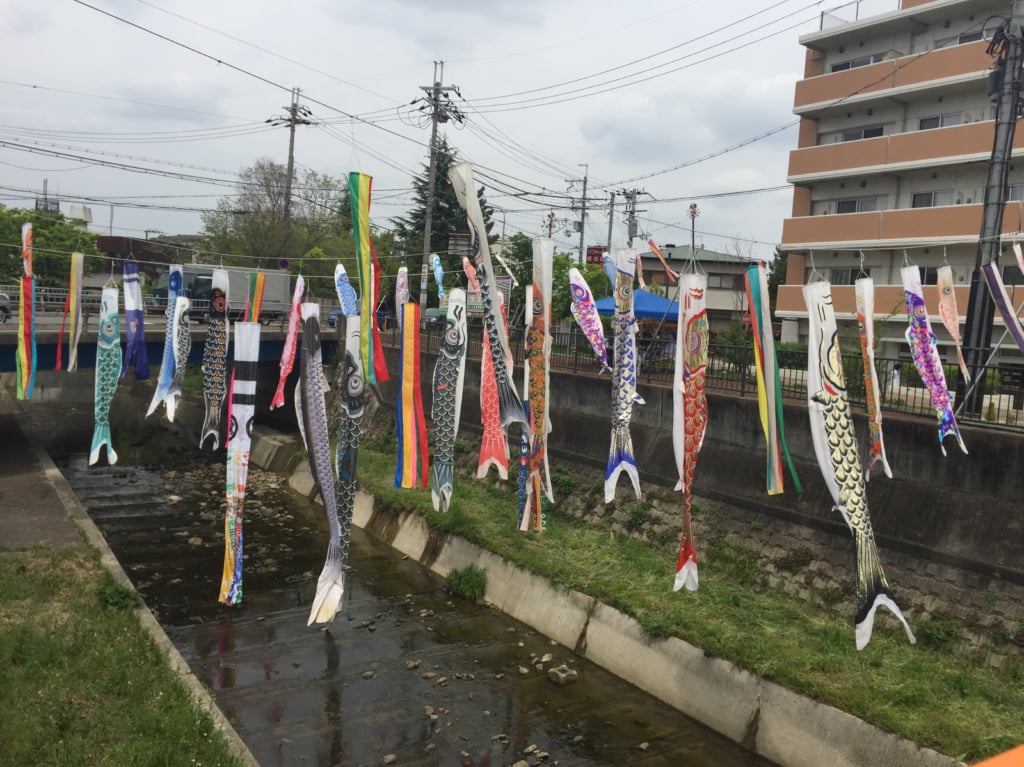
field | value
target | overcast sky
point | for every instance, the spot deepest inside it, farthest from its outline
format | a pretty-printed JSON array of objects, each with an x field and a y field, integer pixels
[{"x": 103, "y": 86}]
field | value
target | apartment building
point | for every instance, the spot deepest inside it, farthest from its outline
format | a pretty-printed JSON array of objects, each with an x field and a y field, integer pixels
[{"x": 896, "y": 130}]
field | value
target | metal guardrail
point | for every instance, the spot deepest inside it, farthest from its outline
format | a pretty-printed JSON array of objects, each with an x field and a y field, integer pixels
[{"x": 731, "y": 369}]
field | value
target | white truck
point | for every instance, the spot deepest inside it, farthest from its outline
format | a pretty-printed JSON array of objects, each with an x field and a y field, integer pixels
[{"x": 198, "y": 279}]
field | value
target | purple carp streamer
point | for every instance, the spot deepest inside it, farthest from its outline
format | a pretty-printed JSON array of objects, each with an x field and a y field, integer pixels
[
  {"x": 926, "y": 355},
  {"x": 835, "y": 447},
  {"x": 584, "y": 311},
  {"x": 1003, "y": 303},
  {"x": 312, "y": 413},
  {"x": 163, "y": 381},
  {"x": 865, "y": 292},
  {"x": 135, "y": 323},
  {"x": 950, "y": 315},
  {"x": 624, "y": 393},
  {"x": 769, "y": 387},
  {"x": 689, "y": 411},
  {"x": 509, "y": 404},
  {"x": 291, "y": 341},
  {"x": 352, "y": 393},
  {"x": 538, "y": 360},
  {"x": 241, "y": 408},
  {"x": 449, "y": 375},
  {"x": 108, "y": 366},
  {"x": 215, "y": 358}
]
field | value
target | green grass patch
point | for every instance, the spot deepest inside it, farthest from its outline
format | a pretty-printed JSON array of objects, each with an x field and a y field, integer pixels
[
  {"x": 928, "y": 693},
  {"x": 83, "y": 684},
  {"x": 467, "y": 583}
]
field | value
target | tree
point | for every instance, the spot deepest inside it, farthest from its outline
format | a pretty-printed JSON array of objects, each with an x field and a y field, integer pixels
[
  {"x": 776, "y": 276},
  {"x": 447, "y": 217},
  {"x": 53, "y": 240}
]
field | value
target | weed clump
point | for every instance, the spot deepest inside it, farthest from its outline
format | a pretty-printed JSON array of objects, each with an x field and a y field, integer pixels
[{"x": 467, "y": 583}]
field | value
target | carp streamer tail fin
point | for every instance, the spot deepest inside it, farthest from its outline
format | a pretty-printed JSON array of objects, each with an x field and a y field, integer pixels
[
  {"x": 211, "y": 425},
  {"x": 620, "y": 458},
  {"x": 443, "y": 481},
  {"x": 101, "y": 437},
  {"x": 873, "y": 593},
  {"x": 686, "y": 568},
  {"x": 509, "y": 405},
  {"x": 492, "y": 453},
  {"x": 330, "y": 588}
]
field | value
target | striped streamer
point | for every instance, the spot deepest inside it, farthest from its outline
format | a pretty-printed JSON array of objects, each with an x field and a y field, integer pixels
[
  {"x": 359, "y": 185},
  {"x": 72, "y": 308},
  {"x": 26, "y": 351},
  {"x": 769, "y": 387},
  {"x": 413, "y": 449}
]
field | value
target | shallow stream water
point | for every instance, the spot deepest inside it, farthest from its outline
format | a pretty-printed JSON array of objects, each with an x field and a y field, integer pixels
[{"x": 403, "y": 671}]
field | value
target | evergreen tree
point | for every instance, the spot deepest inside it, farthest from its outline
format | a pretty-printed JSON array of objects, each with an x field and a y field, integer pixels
[{"x": 447, "y": 218}]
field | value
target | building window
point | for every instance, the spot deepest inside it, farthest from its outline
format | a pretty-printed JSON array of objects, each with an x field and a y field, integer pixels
[
  {"x": 858, "y": 205},
  {"x": 726, "y": 281},
  {"x": 1016, "y": 192},
  {"x": 931, "y": 199},
  {"x": 929, "y": 275},
  {"x": 1012, "y": 275},
  {"x": 847, "y": 275},
  {"x": 860, "y": 133},
  {"x": 940, "y": 121},
  {"x": 961, "y": 39},
  {"x": 860, "y": 61}
]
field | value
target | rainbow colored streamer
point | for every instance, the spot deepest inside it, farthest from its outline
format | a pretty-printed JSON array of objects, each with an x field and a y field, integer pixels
[
  {"x": 769, "y": 386},
  {"x": 359, "y": 188},
  {"x": 26, "y": 351},
  {"x": 411, "y": 427},
  {"x": 257, "y": 282},
  {"x": 72, "y": 307}
]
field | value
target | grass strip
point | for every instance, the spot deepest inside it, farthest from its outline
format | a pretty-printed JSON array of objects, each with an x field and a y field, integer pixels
[
  {"x": 947, "y": 700},
  {"x": 82, "y": 682}
]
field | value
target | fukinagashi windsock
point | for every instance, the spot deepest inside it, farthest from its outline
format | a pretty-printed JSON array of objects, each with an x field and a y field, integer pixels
[
  {"x": 584, "y": 311},
  {"x": 108, "y": 368},
  {"x": 215, "y": 358},
  {"x": 690, "y": 410},
  {"x": 413, "y": 465},
  {"x": 73, "y": 309},
  {"x": 241, "y": 415},
  {"x": 864, "y": 288},
  {"x": 924, "y": 349},
  {"x": 835, "y": 447},
  {"x": 509, "y": 404},
  {"x": 25, "y": 354}
]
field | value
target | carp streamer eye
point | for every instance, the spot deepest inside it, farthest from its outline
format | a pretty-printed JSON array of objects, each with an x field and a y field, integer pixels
[
  {"x": 218, "y": 301},
  {"x": 538, "y": 307},
  {"x": 451, "y": 336},
  {"x": 108, "y": 328},
  {"x": 356, "y": 386},
  {"x": 174, "y": 281},
  {"x": 577, "y": 292}
]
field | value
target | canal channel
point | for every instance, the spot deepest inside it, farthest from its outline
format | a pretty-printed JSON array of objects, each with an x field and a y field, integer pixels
[{"x": 405, "y": 675}]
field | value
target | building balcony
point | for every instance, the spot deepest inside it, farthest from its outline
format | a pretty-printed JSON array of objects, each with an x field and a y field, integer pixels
[
  {"x": 901, "y": 228},
  {"x": 902, "y": 151},
  {"x": 962, "y": 65}
]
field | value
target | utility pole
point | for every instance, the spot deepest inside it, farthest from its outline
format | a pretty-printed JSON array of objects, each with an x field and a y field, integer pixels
[
  {"x": 583, "y": 207},
  {"x": 631, "y": 211},
  {"x": 441, "y": 109},
  {"x": 296, "y": 115},
  {"x": 611, "y": 221},
  {"x": 1007, "y": 44}
]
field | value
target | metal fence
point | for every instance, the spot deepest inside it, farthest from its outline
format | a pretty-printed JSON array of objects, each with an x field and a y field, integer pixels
[{"x": 731, "y": 369}]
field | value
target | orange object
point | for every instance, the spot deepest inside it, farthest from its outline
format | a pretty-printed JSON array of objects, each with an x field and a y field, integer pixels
[{"x": 1014, "y": 758}]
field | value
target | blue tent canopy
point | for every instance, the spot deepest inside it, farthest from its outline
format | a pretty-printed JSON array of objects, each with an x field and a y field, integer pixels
[{"x": 646, "y": 306}]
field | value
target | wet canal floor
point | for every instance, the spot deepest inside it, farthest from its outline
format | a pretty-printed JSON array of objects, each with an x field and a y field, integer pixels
[{"x": 404, "y": 675}]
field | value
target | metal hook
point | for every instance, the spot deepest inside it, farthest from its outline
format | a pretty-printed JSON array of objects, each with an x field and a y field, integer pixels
[
  {"x": 862, "y": 272},
  {"x": 906, "y": 258},
  {"x": 815, "y": 275},
  {"x": 945, "y": 259}
]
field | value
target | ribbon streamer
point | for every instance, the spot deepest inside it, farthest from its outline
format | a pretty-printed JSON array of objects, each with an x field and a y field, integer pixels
[
  {"x": 538, "y": 360},
  {"x": 769, "y": 385},
  {"x": 26, "y": 349},
  {"x": 865, "y": 292},
  {"x": 413, "y": 450},
  {"x": 135, "y": 322},
  {"x": 73, "y": 308}
]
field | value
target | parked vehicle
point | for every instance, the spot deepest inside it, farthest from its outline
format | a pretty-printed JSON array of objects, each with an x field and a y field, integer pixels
[
  {"x": 198, "y": 285},
  {"x": 6, "y": 308}
]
